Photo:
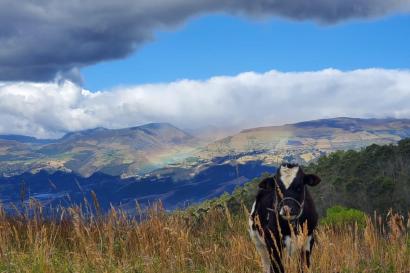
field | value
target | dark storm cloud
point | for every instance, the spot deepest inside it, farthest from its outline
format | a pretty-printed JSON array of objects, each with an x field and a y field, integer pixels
[
  {"x": 322, "y": 11},
  {"x": 40, "y": 39}
]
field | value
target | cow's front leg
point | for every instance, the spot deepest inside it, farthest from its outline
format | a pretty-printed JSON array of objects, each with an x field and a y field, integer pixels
[
  {"x": 275, "y": 253},
  {"x": 276, "y": 262}
]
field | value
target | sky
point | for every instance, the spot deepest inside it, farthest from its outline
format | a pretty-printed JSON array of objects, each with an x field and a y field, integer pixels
[
  {"x": 75, "y": 65},
  {"x": 226, "y": 45}
]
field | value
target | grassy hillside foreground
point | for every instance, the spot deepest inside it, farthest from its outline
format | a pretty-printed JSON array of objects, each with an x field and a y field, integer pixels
[
  {"x": 178, "y": 243},
  {"x": 213, "y": 236}
]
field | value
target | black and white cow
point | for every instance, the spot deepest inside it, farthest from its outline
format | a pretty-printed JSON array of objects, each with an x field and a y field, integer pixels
[{"x": 283, "y": 203}]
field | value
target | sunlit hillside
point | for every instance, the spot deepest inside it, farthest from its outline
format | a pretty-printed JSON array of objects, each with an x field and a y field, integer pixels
[{"x": 306, "y": 141}]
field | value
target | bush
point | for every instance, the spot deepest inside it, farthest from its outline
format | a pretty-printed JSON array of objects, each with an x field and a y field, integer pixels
[{"x": 339, "y": 216}]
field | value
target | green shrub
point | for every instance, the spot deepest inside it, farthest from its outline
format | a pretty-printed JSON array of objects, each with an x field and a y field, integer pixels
[{"x": 339, "y": 216}]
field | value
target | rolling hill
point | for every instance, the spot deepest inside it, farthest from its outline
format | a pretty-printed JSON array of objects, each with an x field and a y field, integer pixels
[
  {"x": 126, "y": 152},
  {"x": 306, "y": 141}
]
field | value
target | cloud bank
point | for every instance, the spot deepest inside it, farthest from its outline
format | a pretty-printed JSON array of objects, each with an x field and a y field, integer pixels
[
  {"x": 40, "y": 40},
  {"x": 246, "y": 100}
]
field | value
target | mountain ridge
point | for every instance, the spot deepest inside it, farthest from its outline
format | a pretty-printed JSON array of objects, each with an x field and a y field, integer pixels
[
  {"x": 112, "y": 151},
  {"x": 138, "y": 150}
]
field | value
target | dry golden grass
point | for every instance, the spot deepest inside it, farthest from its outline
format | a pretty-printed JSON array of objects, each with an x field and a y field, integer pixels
[{"x": 178, "y": 243}]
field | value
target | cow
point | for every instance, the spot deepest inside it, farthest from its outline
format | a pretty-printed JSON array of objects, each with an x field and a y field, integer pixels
[{"x": 283, "y": 207}]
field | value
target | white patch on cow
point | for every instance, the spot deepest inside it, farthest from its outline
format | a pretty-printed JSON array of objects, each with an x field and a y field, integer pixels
[
  {"x": 290, "y": 245},
  {"x": 253, "y": 207},
  {"x": 250, "y": 220},
  {"x": 287, "y": 175},
  {"x": 306, "y": 247},
  {"x": 259, "y": 242}
]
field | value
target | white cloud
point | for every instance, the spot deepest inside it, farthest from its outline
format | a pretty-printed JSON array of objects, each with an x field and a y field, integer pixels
[{"x": 246, "y": 100}]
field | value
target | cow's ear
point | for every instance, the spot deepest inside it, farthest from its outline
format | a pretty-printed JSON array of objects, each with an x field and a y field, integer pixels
[
  {"x": 311, "y": 179},
  {"x": 267, "y": 183}
]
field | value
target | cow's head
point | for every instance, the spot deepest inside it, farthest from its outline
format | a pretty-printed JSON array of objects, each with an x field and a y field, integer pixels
[{"x": 290, "y": 186}]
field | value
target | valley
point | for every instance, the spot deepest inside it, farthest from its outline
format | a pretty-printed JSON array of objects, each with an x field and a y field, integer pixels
[{"x": 174, "y": 187}]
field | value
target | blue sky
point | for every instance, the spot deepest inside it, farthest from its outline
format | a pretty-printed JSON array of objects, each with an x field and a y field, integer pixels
[{"x": 219, "y": 44}]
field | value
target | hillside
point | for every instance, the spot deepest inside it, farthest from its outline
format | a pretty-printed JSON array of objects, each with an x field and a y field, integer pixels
[
  {"x": 376, "y": 178},
  {"x": 126, "y": 152},
  {"x": 306, "y": 141},
  {"x": 182, "y": 242}
]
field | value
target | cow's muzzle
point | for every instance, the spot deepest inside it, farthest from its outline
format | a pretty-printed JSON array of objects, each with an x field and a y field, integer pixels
[{"x": 290, "y": 209}]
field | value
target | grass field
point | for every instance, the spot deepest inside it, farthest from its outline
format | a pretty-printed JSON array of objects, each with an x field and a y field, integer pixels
[{"x": 179, "y": 243}]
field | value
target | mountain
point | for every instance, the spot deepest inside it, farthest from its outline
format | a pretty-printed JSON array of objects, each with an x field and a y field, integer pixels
[
  {"x": 126, "y": 152},
  {"x": 138, "y": 151},
  {"x": 306, "y": 141}
]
